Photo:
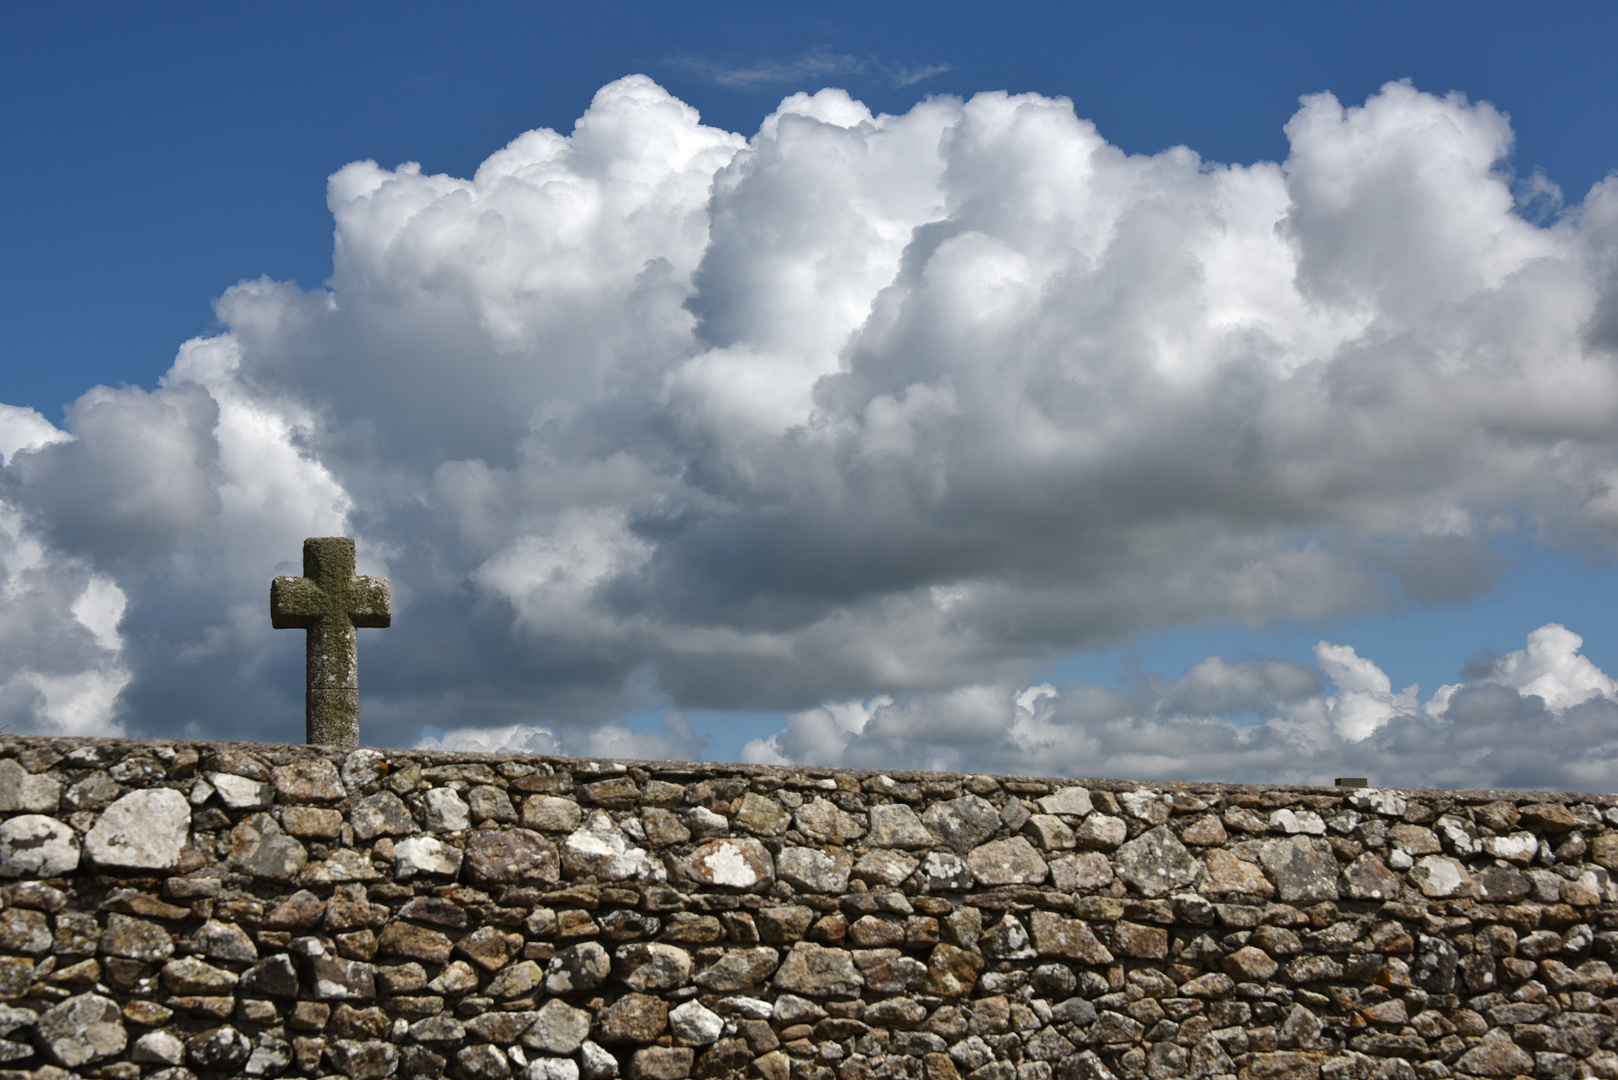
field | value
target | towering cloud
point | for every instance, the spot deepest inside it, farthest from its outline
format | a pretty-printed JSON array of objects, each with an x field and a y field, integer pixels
[{"x": 862, "y": 405}]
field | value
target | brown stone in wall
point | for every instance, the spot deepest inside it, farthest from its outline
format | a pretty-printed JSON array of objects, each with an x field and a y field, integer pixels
[
  {"x": 663, "y": 1063},
  {"x": 414, "y": 943},
  {"x": 633, "y": 1018},
  {"x": 307, "y": 780},
  {"x": 1066, "y": 939},
  {"x": 952, "y": 972},
  {"x": 511, "y": 857},
  {"x": 1141, "y": 942}
]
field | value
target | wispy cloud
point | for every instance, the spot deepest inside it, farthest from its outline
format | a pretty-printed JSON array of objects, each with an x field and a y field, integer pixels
[
  {"x": 818, "y": 63},
  {"x": 904, "y": 75},
  {"x": 812, "y": 64}
]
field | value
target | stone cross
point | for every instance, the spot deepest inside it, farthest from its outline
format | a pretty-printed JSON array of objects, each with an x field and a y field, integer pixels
[{"x": 330, "y": 602}]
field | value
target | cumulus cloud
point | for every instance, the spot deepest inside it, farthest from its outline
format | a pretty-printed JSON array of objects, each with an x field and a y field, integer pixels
[
  {"x": 1543, "y": 716},
  {"x": 674, "y": 740},
  {"x": 654, "y": 415}
]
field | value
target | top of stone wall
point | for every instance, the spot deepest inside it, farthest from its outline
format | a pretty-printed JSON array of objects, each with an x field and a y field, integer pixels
[{"x": 806, "y": 776}]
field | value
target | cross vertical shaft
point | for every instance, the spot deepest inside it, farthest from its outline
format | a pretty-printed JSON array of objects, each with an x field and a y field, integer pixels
[{"x": 330, "y": 603}]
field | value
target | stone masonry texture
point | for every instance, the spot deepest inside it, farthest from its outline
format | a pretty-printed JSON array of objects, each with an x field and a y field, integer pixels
[{"x": 181, "y": 910}]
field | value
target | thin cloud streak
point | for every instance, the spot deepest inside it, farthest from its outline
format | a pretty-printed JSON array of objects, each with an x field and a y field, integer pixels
[
  {"x": 909, "y": 76},
  {"x": 811, "y": 65}
]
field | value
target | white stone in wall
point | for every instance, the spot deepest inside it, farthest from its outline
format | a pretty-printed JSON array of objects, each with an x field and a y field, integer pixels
[
  {"x": 884, "y": 867},
  {"x": 704, "y": 823},
  {"x": 971, "y": 1053},
  {"x": 1007, "y": 862},
  {"x": 1292, "y": 822},
  {"x": 1517, "y": 847},
  {"x": 748, "y": 1008},
  {"x": 34, "y": 845},
  {"x": 270, "y": 1057},
  {"x": 695, "y": 1025},
  {"x": 240, "y": 793},
  {"x": 557, "y": 1069},
  {"x": 1377, "y": 801},
  {"x": 447, "y": 811},
  {"x": 1051, "y": 832},
  {"x": 962, "y": 823},
  {"x": 595, "y": 1063},
  {"x": 602, "y": 849},
  {"x": 144, "y": 830},
  {"x": 425, "y": 855},
  {"x": 1439, "y": 876},
  {"x": 1461, "y": 836},
  {"x": 360, "y": 768},
  {"x": 158, "y": 1048}
]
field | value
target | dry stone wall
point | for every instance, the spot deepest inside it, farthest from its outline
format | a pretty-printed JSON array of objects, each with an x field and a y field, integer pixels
[{"x": 180, "y": 910}]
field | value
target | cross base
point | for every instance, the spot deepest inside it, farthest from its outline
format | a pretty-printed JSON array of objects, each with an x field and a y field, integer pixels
[{"x": 332, "y": 718}]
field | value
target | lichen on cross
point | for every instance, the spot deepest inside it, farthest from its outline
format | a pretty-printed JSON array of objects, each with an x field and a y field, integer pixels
[{"x": 330, "y": 602}]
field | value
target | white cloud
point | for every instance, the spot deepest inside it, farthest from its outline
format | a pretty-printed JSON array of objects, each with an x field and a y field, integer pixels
[
  {"x": 1489, "y": 732},
  {"x": 1366, "y": 700},
  {"x": 674, "y": 740},
  {"x": 878, "y": 408},
  {"x": 511, "y": 739},
  {"x": 24, "y": 429},
  {"x": 1552, "y": 668},
  {"x": 61, "y": 661},
  {"x": 99, "y": 609}
]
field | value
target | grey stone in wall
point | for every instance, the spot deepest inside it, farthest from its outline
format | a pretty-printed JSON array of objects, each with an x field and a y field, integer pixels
[
  {"x": 36, "y": 846},
  {"x": 144, "y": 830}
]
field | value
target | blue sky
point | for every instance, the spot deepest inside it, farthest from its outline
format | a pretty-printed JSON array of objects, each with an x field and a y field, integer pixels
[{"x": 160, "y": 158}]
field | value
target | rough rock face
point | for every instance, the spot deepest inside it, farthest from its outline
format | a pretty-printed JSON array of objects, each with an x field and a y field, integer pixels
[
  {"x": 189, "y": 911},
  {"x": 1156, "y": 863},
  {"x": 35, "y": 846},
  {"x": 82, "y": 1030},
  {"x": 144, "y": 830}
]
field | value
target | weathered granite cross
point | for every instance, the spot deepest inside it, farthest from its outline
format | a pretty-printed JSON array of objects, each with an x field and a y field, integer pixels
[{"x": 330, "y": 602}]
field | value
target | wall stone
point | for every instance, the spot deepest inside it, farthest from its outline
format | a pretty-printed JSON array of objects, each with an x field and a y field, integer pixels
[{"x": 189, "y": 910}]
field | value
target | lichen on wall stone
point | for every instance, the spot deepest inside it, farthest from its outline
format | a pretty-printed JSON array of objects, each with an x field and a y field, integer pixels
[{"x": 189, "y": 910}]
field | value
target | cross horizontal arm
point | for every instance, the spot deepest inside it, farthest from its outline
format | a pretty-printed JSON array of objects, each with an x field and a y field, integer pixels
[
  {"x": 370, "y": 602},
  {"x": 296, "y": 603}
]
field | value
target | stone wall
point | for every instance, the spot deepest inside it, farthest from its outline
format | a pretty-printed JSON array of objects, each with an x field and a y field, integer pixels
[{"x": 184, "y": 909}]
